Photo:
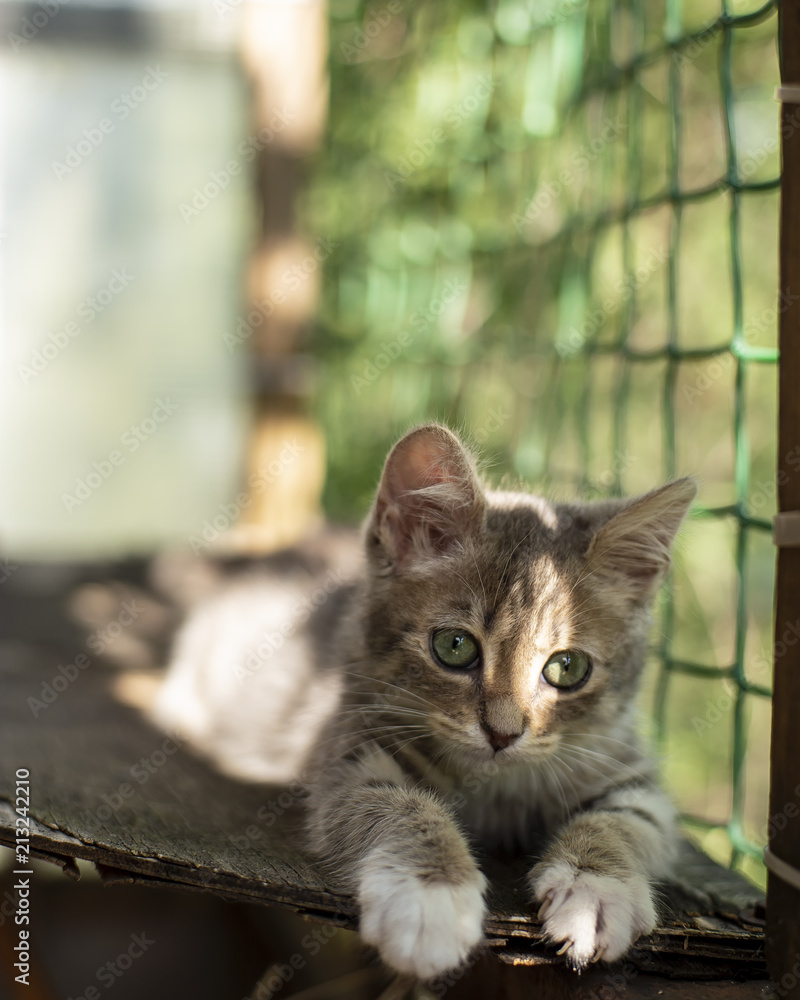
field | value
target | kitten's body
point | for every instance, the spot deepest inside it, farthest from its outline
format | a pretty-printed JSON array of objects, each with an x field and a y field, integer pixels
[{"x": 404, "y": 755}]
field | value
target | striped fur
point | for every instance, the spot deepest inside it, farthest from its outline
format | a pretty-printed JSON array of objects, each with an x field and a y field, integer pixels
[{"x": 413, "y": 764}]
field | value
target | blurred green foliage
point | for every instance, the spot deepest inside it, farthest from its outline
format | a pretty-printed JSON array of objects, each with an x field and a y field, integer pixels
[{"x": 557, "y": 231}]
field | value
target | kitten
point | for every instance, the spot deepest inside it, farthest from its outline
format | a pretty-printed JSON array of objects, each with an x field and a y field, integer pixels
[{"x": 477, "y": 682}]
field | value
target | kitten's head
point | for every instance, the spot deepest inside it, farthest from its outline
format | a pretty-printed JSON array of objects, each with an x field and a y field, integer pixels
[{"x": 507, "y": 622}]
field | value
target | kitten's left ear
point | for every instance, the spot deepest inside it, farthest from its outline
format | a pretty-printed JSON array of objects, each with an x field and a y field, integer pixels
[
  {"x": 429, "y": 498},
  {"x": 634, "y": 546}
]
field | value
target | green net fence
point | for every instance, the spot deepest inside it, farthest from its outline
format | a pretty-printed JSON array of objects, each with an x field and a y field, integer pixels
[{"x": 556, "y": 229}]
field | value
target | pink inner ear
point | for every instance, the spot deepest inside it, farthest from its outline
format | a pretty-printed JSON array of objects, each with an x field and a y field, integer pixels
[
  {"x": 428, "y": 496},
  {"x": 418, "y": 467}
]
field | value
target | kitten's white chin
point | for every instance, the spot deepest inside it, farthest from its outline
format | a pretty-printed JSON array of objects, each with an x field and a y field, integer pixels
[
  {"x": 465, "y": 756},
  {"x": 420, "y": 928}
]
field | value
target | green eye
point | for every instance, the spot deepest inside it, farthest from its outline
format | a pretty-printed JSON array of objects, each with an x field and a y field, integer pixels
[
  {"x": 567, "y": 669},
  {"x": 453, "y": 647}
]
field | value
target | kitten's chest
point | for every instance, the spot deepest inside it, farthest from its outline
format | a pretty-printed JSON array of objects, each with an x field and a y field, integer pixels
[{"x": 513, "y": 811}]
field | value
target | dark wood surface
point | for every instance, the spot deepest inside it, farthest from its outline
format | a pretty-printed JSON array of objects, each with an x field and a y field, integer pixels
[
  {"x": 108, "y": 787},
  {"x": 783, "y": 932}
]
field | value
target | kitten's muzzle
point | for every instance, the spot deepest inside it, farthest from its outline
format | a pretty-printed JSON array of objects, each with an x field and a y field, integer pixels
[{"x": 499, "y": 741}]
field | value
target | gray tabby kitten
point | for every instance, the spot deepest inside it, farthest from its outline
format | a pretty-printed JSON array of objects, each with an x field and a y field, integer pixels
[{"x": 475, "y": 685}]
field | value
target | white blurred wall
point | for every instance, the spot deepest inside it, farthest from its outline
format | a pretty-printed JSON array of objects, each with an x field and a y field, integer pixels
[{"x": 122, "y": 410}]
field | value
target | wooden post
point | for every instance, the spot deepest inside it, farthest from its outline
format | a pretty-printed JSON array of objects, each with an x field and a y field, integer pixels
[
  {"x": 284, "y": 50},
  {"x": 783, "y": 899}
]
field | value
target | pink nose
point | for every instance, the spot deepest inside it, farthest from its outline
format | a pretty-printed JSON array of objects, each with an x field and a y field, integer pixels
[{"x": 499, "y": 741}]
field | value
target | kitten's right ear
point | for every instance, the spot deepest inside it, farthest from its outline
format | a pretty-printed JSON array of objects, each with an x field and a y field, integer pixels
[
  {"x": 633, "y": 548},
  {"x": 429, "y": 497}
]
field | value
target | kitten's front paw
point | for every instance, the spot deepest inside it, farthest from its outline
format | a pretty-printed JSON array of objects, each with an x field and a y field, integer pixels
[
  {"x": 593, "y": 916},
  {"x": 422, "y": 928}
]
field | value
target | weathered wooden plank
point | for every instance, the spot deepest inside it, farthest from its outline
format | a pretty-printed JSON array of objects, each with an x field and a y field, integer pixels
[
  {"x": 623, "y": 982},
  {"x": 108, "y": 787}
]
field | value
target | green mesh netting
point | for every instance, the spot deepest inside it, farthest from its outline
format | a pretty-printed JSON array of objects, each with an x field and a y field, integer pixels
[{"x": 557, "y": 230}]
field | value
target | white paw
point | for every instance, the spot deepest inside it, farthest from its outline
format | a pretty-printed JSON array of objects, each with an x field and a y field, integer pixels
[
  {"x": 421, "y": 928},
  {"x": 594, "y": 916}
]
